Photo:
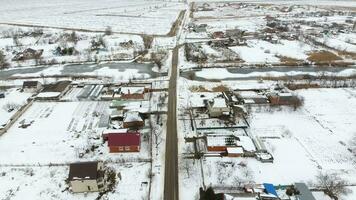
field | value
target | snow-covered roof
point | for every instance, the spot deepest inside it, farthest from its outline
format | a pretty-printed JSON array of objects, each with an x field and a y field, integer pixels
[
  {"x": 219, "y": 103},
  {"x": 235, "y": 150},
  {"x": 132, "y": 90},
  {"x": 48, "y": 94},
  {"x": 246, "y": 143},
  {"x": 107, "y": 131},
  {"x": 132, "y": 117},
  {"x": 250, "y": 95}
]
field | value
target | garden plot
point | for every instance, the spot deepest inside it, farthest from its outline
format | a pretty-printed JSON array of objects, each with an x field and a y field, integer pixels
[
  {"x": 252, "y": 24},
  {"x": 135, "y": 16},
  {"x": 62, "y": 132},
  {"x": 321, "y": 129},
  {"x": 49, "y": 183},
  {"x": 259, "y": 51},
  {"x": 234, "y": 10},
  {"x": 13, "y": 99}
]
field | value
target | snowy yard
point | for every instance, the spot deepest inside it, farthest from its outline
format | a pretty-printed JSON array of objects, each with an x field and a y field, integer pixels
[
  {"x": 13, "y": 97},
  {"x": 49, "y": 183},
  {"x": 61, "y": 131}
]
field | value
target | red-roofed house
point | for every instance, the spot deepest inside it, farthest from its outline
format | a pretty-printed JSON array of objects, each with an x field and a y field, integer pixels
[{"x": 124, "y": 142}]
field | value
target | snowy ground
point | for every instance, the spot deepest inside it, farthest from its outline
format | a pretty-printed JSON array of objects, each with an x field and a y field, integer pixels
[{"x": 12, "y": 96}]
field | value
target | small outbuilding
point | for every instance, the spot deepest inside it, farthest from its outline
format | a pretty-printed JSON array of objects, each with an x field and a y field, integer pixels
[
  {"x": 132, "y": 119},
  {"x": 304, "y": 192},
  {"x": 281, "y": 98},
  {"x": 133, "y": 92},
  {"x": 86, "y": 176}
]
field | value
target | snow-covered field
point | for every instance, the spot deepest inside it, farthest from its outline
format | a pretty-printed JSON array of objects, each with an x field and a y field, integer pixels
[{"x": 137, "y": 16}]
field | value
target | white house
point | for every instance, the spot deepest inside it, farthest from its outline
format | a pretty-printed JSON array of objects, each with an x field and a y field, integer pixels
[{"x": 218, "y": 107}]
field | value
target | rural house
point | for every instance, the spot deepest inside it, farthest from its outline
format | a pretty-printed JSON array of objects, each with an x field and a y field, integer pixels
[
  {"x": 31, "y": 86},
  {"x": 86, "y": 176},
  {"x": 28, "y": 54},
  {"x": 234, "y": 146},
  {"x": 218, "y": 107},
  {"x": 124, "y": 142}
]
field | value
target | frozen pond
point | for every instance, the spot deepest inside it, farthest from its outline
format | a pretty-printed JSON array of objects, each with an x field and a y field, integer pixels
[
  {"x": 207, "y": 74},
  {"x": 123, "y": 70}
]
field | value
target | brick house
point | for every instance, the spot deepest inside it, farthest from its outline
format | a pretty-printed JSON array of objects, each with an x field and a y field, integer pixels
[{"x": 124, "y": 142}]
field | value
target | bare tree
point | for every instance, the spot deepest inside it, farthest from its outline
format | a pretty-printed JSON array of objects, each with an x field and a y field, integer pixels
[
  {"x": 297, "y": 102},
  {"x": 3, "y": 61},
  {"x": 158, "y": 137},
  {"x": 108, "y": 30},
  {"x": 332, "y": 185},
  {"x": 187, "y": 165},
  {"x": 352, "y": 144}
]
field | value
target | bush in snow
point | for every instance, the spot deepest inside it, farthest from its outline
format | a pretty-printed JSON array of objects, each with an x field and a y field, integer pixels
[{"x": 97, "y": 43}]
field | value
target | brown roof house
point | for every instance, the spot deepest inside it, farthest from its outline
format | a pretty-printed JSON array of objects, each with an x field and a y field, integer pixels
[
  {"x": 86, "y": 176},
  {"x": 28, "y": 54}
]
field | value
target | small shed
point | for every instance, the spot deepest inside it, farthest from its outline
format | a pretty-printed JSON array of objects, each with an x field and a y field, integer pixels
[
  {"x": 132, "y": 119},
  {"x": 270, "y": 190},
  {"x": 133, "y": 92},
  {"x": 234, "y": 151},
  {"x": 281, "y": 98}
]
